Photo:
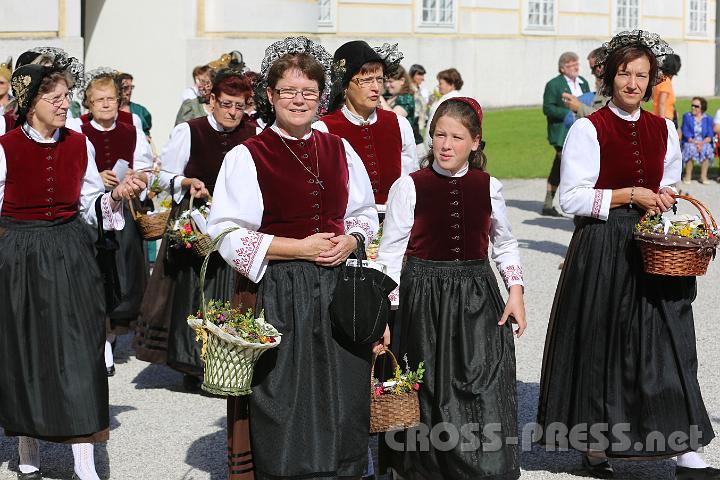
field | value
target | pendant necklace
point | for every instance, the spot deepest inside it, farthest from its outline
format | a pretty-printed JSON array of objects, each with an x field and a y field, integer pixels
[{"x": 317, "y": 162}]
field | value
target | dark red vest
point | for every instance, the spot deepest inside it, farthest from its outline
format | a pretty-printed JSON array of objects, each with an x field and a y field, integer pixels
[
  {"x": 632, "y": 154},
  {"x": 294, "y": 204},
  {"x": 379, "y": 146},
  {"x": 208, "y": 148},
  {"x": 112, "y": 145},
  {"x": 452, "y": 216},
  {"x": 43, "y": 179},
  {"x": 123, "y": 117},
  {"x": 10, "y": 118}
]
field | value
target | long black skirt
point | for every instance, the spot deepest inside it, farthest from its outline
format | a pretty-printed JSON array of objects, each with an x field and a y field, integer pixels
[
  {"x": 310, "y": 405},
  {"x": 620, "y": 352},
  {"x": 448, "y": 319},
  {"x": 52, "y": 330}
]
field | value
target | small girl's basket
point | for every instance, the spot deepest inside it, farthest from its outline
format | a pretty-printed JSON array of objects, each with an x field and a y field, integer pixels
[
  {"x": 392, "y": 411},
  {"x": 150, "y": 225},
  {"x": 229, "y": 360},
  {"x": 679, "y": 256},
  {"x": 202, "y": 245}
]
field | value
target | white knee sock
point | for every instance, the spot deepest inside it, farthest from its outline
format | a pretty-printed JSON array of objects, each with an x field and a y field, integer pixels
[
  {"x": 29, "y": 452},
  {"x": 109, "y": 360},
  {"x": 84, "y": 461},
  {"x": 691, "y": 460}
]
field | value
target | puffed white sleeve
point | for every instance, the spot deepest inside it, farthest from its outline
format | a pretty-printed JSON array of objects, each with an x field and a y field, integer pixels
[
  {"x": 505, "y": 251},
  {"x": 399, "y": 220},
  {"x": 673, "y": 158},
  {"x": 320, "y": 126},
  {"x": 174, "y": 158},
  {"x": 579, "y": 171},
  {"x": 238, "y": 202},
  {"x": 408, "y": 156},
  {"x": 92, "y": 188},
  {"x": 360, "y": 215},
  {"x": 142, "y": 156},
  {"x": 3, "y": 175}
]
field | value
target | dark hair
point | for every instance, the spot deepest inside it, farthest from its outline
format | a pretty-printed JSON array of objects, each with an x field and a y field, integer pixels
[
  {"x": 451, "y": 76},
  {"x": 199, "y": 70},
  {"x": 416, "y": 69},
  {"x": 671, "y": 65},
  {"x": 596, "y": 53},
  {"x": 464, "y": 113},
  {"x": 703, "y": 103},
  {"x": 371, "y": 67},
  {"x": 124, "y": 76},
  {"x": 620, "y": 58},
  {"x": 399, "y": 73},
  {"x": 233, "y": 85},
  {"x": 302, "y": 62}
]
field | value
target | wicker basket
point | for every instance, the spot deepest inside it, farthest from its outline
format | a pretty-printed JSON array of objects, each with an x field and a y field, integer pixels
[
  {"x": 679, "y": 256},
  {"x": 151, "y": 226},
  {"x": 392, "y": 411},
  {"x": 202, "y": 245},
  {"x": 229, "y": 361}
]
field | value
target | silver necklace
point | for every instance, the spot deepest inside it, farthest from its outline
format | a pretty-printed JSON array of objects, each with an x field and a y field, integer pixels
[{"x": 317, "y": 162}]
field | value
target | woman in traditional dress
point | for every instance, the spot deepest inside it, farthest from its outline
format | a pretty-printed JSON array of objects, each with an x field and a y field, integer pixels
[
  {"x": 451, "y": 315},
  {"x": 302, "y": 201},
  {"x": 620, "y": 359},
  {"x": 53, "y": 384},
  {"x": 191, "y": 161},
  {"x": 114, "y": 142}
]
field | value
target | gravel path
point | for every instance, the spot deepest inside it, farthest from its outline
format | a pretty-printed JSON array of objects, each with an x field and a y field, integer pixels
[{"x": 161, "y": 432}]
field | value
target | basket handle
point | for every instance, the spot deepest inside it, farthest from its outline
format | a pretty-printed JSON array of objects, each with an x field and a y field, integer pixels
[
  {"x": 375, "y": 357},
  {"x": 703, "y": 210},
  {"x": 203, "y": 270},
  {"x": 190, "y": 209}
]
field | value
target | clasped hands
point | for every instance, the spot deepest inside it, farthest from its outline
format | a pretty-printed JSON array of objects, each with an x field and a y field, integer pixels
[
  {"x": 328, "y": 249},
  {"x": 654, "y": 203}
]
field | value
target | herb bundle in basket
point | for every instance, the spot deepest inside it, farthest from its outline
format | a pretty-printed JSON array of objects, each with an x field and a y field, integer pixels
[
  {"x": 184, "y": 233},
  {"x": 394, "y": 403},
  {"x": 678, "y": 246}
]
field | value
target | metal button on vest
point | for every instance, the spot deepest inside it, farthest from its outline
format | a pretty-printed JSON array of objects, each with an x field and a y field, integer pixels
[
  {"x": 317, "y": 205},
  {"x": 455, "y": 226},
  {"x": 634, "y": 142},
  {"x": 634, "y": 134},
  {"x": 49, "y": 169},
  {"x": 49, "y": 200},
  {"x": 48, "y": 213},
  {"x": 641, "y": 181},
  {"x": 316, "y": 217},
  {"x": 302, "y": 144},
  {"x": 456, "y": 249},
  {"x": 316, "y": 230},
  {"x": 366, "y": 138},
  {"x": 370, "y": 155},
  {"x": 374, "y": 172},
  {"x": 375, "y": 190},
  {"x": 315, "y": 193},
  {"x": 453, "y": 181},
  {"x": 311, "y": 181},
  {"x": 454, "y": 203},
  {"x": 305, "y": 155},
  {"x": 49, "y": 157},
  {"x": 454, "y": 192},
  {"x": 638, "y": 161},
  {"x": 636, "y": 152},
  {"x": 455, "y": 214},
  {"x": 456, "y": 237},
  {"x": 50, "y": 179},
  {"x": 372, "y": 164},
  {"x": 50, "y": 190},
  {"x": 640, "y": 171},
  {"x": 632, "y": 124}
]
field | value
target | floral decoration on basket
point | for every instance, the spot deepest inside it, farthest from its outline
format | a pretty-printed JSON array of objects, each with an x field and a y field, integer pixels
[
  {"x": 232, "y": 340},
  {"x": 152, "y": 218},
  {"x": 394, "y": 403},
  {"x": 185, "y": 233},
  {"x": 680, "y": 245},
  {"x": 372, "y": 249}
]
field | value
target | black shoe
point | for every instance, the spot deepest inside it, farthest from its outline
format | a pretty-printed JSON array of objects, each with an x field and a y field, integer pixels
[
  {"x": 191, "y": 383},
  {"x": 30, "y": 476},
  {"x": 684, "y": 473},
  {"x": 550, "y": 212},
  {"x": 111, "y": 371},
  {"x": 601, "y": 470}
]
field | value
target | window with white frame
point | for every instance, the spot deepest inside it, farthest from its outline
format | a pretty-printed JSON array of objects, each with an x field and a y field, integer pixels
[
  {"x": 438, "y": 12},
  {"x": 325, "y": 14},
  {"x": 697, "y": 17},
  {"x": 627, "y": 14},
  {"x": 540, "y": 14}
]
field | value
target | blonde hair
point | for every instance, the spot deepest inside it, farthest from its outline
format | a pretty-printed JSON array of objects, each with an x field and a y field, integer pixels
[{"x": 100, "y": 82}]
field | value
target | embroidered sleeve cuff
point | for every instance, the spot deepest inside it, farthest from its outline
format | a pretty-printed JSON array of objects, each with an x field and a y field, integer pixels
[
  {"x": 355, "y": 224},
  {"x": 245, "y": 251},
  {"x": 512, "y": 275},
  {"x": 603, "y": 199},
  {"x": 113, "y": 219},
  {"x": 394, "y": 298}
]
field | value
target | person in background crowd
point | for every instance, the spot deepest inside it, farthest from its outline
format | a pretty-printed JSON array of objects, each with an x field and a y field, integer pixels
[
  {"x": 250, "y": 107},
  {"x": 697, "y": 140},
  {"x": 599, "y": 99},
  {"x": 450, "y": 83},
  {"x": 555, "y": 109},
  {"x": 127, "y": 105},
  {"x": 421, "y": 94},
  {"x": 5, "y": 74},
  {"x": 198, "y": 106},
  {"x": 663, "y": 97},
  {"x": 400, "y": 99},
  {"x": 197, "y": 74}
]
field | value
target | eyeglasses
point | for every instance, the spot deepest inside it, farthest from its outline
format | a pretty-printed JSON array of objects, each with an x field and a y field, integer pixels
[
  {"x": 58, "y": 101},
  {"x": 595, "y": 67},
  {"x": 695, "y": 106},
  {"x": 128, "y": 88},
  {"x": 203, "y": 83},
  {"x": 291, "y": 93},
  {"x": 100, "y": 101},
  {"x": 368, "y": 81},
  {"x": 227, "y": 105}
]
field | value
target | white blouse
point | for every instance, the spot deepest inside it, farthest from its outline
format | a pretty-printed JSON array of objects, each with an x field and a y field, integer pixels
[
  {"x": 238, "y": 202},
  {"x": 580, "y": 167},
  {"x": 142, "y": 154},
  {"x": 400, "y": 218},
  {"x": 70, "y": 122},
  {"x": 92, "y": 186}
]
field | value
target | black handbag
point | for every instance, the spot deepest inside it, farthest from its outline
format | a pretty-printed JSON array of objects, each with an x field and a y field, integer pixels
[
  {"x": 105, "y": 247},
  {"x": 360, "y": 308}
]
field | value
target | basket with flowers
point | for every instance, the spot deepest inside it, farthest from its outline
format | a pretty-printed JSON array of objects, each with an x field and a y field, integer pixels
[
  {"x": 394, "y": 403},
  {"x": 372, "y": 249},
  {"x": 185, "y": 233},
  {"x": 681, "y": 245}
]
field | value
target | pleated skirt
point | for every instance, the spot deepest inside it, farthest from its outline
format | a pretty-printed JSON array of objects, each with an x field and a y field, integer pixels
[
  {"x": 310, "y": 405},
  {"x": 448, "y": 319},
  {"x": 620, "y": 350},
  {"x": 53, "y": 383}
]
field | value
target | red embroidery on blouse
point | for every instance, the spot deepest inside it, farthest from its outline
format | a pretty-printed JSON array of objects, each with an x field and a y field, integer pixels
[
  {"x": 394, "y": 296},
  {"x": 353, "y": 222},
  {"x": 512, "y": 273},
  {"x": 251, "y": 242},
  {"x": 107, "y": 211},
  {"x": 597, "y": 203}
]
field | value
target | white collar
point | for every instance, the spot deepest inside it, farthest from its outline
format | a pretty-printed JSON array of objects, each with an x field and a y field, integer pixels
[
  {"x": 99, "y": 127},
  {"x": 35, "y": 135},
  {"x": 630, "y": 117},
  {"x": 576, "y": 81},
  {"x": 214, "y": 124},
  {"x": 357, "y": 119},
  {"x": 446, "y": 173},
  {"x": 277, "y": 130}
]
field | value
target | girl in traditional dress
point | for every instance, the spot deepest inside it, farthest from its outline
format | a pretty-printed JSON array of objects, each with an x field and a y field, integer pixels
[
  {"x": 115, "y": 141},
  {"x": 53, "y": 384},
  {"x": 302, "y": 201},
  {"x": 451, "y": 315},
  {"x": 620, "y": 359}
]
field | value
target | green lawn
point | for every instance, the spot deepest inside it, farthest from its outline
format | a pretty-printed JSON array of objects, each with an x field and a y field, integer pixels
[{"x": 517, "y": 145}]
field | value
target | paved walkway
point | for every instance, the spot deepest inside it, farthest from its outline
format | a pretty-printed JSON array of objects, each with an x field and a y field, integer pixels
[{"x": 160, "y": 432}]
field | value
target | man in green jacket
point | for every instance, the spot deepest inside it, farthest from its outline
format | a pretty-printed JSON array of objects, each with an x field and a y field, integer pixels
[{"x": 555, "y": 109}]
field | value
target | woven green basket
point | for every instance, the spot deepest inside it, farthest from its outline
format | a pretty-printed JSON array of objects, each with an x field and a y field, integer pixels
[{"x": 229, "y": 360}]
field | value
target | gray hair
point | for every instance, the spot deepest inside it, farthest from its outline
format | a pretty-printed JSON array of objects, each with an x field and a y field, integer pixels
[
  {"x": 596, "y": 53},
  {"x": 567, "y": 57}
]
